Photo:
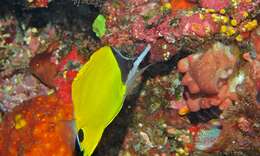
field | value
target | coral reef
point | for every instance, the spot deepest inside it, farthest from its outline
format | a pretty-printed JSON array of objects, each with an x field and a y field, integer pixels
[
  {"x": 150, "y": 20},
  {"x": 199, "y": 96},
  {"x": 221, "y": 40}
]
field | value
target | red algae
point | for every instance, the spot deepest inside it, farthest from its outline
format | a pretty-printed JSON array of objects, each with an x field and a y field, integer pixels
[
  {"x": 72, "y": 56},
  {"x": 64, "y": 85}
]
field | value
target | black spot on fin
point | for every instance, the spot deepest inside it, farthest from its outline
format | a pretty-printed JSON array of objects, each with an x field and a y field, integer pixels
[
  {"x": 81, "y": 135},
  {"x": 125, "y": 64}
]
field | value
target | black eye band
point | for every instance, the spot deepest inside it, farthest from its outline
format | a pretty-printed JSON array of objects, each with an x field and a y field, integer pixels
[{"x": 81, "y": 135}]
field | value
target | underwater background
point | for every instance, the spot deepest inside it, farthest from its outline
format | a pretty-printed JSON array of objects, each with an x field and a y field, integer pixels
[{"x": 200, "y": 96}]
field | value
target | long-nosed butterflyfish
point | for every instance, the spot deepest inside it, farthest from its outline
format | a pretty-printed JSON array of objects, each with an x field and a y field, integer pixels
[{"x": 98, "y": 93}]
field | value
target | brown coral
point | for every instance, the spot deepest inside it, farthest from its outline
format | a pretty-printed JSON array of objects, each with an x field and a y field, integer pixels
[
  {"x": 240, "y": 131},
  {"x": 38, "y": 66}
]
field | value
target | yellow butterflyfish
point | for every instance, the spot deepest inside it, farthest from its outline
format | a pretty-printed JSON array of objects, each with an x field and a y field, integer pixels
[{"x": 98, "y": 93}]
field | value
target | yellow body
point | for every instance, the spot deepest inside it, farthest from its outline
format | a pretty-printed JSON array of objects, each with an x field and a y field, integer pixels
[{"x": 98, "y": 94}]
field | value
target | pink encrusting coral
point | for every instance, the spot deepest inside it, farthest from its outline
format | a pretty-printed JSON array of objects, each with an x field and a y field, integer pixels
[
  {"x": 216, "y": 5},
  {"x": 206, "y": 77},
  {"x": 198, "y": 24},
  {"x": 187, "y": 25},
  {"x": 140, "y": 32}
]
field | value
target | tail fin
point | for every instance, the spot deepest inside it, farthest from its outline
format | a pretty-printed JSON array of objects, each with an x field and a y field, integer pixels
[{"x": 90, "y": 141}]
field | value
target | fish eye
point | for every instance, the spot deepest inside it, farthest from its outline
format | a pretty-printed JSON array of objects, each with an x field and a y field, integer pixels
[{"x": 80, "y": 135}]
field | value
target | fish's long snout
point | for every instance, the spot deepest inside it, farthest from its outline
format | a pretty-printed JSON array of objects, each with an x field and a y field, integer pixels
[
  {"x": 141, "y": 57},
  {"x": 134, "y": 72}
]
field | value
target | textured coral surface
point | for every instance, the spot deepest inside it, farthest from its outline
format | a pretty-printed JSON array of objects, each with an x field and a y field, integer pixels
[
  {"x": 41, "y": 126},
  {"x": 199, "y": 96}
]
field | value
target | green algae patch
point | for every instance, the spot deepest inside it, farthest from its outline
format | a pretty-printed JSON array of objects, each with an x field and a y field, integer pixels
[{"x": 99, "y": 26}]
